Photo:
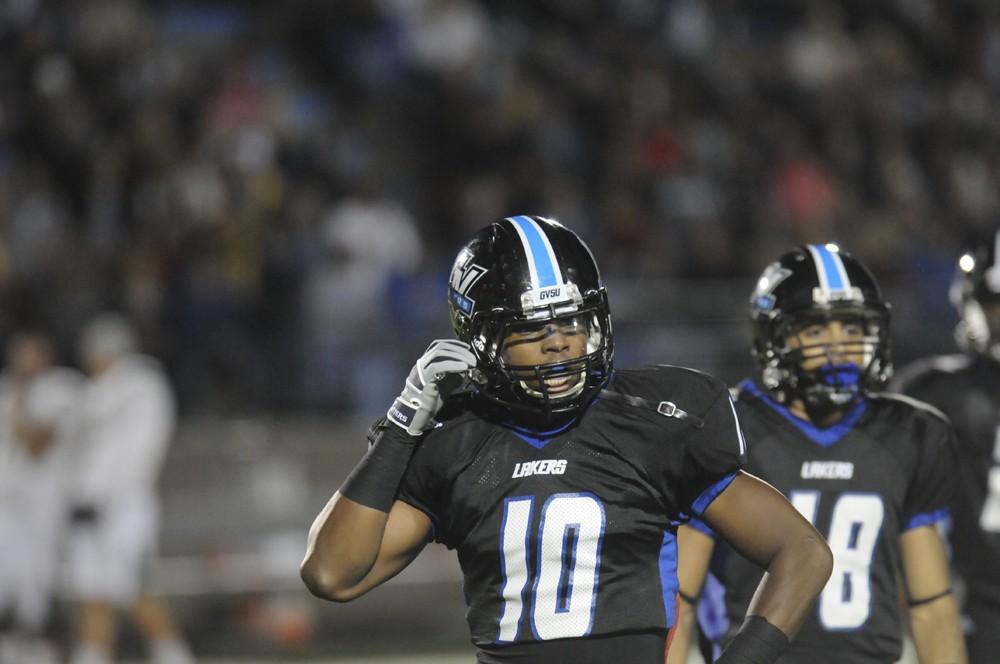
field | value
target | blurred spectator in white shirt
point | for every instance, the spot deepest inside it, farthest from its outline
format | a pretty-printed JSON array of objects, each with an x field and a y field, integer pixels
[
  {"x": 36, "y": 412},
  {"x": 125, "y": 422}
]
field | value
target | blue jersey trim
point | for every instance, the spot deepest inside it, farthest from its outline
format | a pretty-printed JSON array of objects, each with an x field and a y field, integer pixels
[
  {"x": 822, "y": 437},
  {"x": 539, "y": 439},
  {"x": 928, "y": 518},
  {"x": 543, "y": 265},
  {"x": 668, "y": 576},
  {"x": 701, "y": 527},
  {"x": 702, "y": 502}
]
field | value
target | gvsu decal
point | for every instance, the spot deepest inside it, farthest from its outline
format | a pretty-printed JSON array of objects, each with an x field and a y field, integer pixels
[
  {"x": 541, "y": 297},
  {"x": 549, "y": 293}
]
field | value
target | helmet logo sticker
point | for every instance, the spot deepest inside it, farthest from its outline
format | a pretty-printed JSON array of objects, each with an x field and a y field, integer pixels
[
  {"x": 462, "y": 280},
  {"x": 774, "y": 274},
  {"x": 562, "y": 295}
]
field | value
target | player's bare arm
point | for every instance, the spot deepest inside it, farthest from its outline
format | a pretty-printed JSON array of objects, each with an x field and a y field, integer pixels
[
  {"x": 763, "y": 526},
  {"x": 353, "y": 548},
  {"x": 694, "y": 551},
  {"x": 364, "y": 537},
  {"x": 934, "y": 619}
]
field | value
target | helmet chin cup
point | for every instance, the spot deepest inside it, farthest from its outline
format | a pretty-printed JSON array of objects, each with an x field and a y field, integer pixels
[{"x": 831, "y": 386}]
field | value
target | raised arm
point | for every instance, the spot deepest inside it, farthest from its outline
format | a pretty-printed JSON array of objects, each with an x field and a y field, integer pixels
[
  {"x": 764, "y": 527},
  {"x": 934, "y": 619},
  {"x": 353, "y": 548},
  {"x": 363, "y": 536}
]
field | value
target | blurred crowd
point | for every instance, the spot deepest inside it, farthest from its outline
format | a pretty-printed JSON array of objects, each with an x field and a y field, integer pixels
[{"x": 275, "y": 192}]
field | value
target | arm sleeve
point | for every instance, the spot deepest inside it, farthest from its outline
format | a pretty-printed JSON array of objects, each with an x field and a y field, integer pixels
[
  {"x": 933, "y": 486},
  {"x": 712, "y": 456}
]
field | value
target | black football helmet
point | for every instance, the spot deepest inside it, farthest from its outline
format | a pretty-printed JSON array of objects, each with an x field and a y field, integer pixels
[
  {"x": 519, "y": 275},
  {"x": 816, "y": 284},
  {"x": 975, "y": 294}
]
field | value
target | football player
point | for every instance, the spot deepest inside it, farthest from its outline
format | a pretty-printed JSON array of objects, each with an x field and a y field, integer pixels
[
  {"x": 966, "y": 387},
  {"x": 873, "y": 472},
  {"x": 559, "y": 482}
]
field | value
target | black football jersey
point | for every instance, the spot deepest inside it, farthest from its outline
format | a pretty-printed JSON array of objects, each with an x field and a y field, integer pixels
[
  {"x": 885, "y": 468},
  {"x": 967, "y": 391},
  {"x": 569, "y": 534}
]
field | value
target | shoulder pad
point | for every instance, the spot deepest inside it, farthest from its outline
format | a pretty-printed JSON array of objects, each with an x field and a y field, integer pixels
[
  {"x": 909, "y": 401},
  {"x": 921, "y": 370}
]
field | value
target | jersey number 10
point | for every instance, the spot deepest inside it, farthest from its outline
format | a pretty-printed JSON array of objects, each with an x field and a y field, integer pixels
[
  {"x": 855, "y": 521},
  {"x": 563, "y": 593}
]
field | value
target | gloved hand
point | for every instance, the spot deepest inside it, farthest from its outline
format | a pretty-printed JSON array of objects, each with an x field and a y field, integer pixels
[{"x": 414, "y": 409}]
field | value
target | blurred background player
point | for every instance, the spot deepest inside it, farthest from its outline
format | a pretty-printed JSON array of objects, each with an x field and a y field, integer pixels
[
  {"x": 558, "y": 481},
  {"x": 126, "y": 420},
  {"x": 966, "y": 388},
  {"x": 37, "y": 400},
  {"x": 875, "y": 473}
]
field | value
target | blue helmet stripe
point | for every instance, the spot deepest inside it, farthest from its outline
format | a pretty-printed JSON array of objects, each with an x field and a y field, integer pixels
[
  {"x": 540, "y": 256},
  {"x": 829, "y": 268},
  {"x": 833, "y": 281}
]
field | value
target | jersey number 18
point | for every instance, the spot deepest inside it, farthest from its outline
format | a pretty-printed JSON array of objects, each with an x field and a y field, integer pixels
[{"x": 855, "y": 521}]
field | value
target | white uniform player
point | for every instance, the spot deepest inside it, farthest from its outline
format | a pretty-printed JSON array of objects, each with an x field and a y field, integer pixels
[
  {"x": 36, "y": 412},
  {"x": 126, "y": 421}
]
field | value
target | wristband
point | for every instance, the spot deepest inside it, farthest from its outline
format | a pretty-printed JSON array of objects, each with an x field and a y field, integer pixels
[
  {"x": 690, "y": 599},
  {"x": 758, "y": 642},
  {"x": 928, "y": 600},
  {"x": 375, "y": 480}
]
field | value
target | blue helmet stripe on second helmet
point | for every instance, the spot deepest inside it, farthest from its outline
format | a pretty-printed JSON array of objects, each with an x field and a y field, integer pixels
[
  {"x": 542, "y": 261},
  {"x": 829, "y": 269}
]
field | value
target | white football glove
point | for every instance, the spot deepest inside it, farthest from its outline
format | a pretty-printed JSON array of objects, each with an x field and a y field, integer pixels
[{"x": 414, "y": 409}]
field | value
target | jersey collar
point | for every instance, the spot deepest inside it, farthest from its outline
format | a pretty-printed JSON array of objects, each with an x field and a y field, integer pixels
[
  {"x": 822, "y": 437},
  {"x": 539, "y": 439}
]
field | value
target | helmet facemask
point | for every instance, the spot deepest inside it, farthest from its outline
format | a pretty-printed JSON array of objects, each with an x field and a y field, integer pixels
[
  {"x": 828, "y": 375},
  {"x": 546, "y": 389}
]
